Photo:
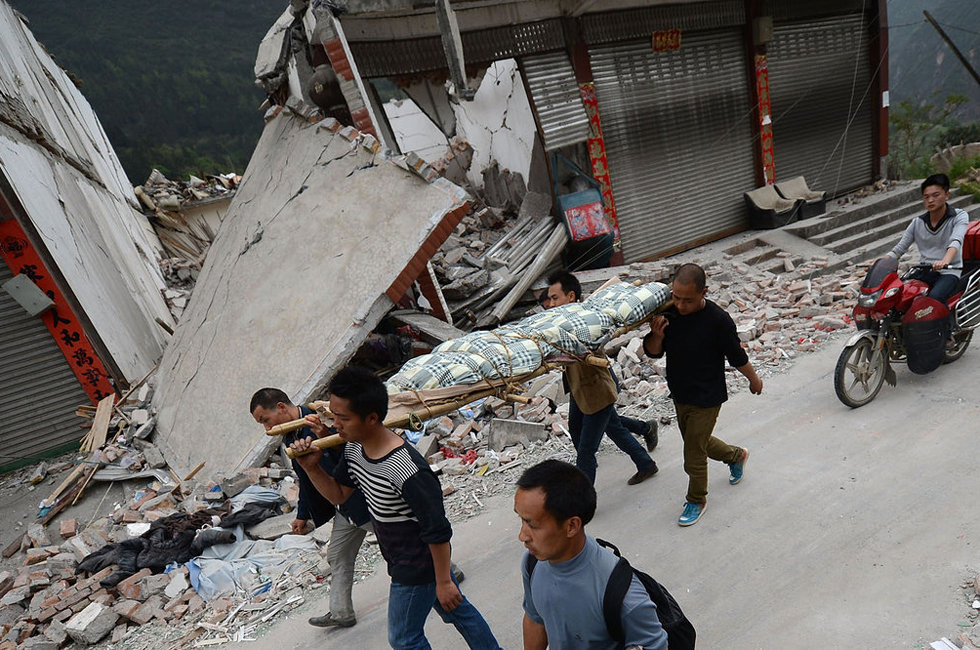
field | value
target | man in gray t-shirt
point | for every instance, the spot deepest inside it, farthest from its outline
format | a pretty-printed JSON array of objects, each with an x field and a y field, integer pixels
[
  {"x": 938, "y": 234},
  {"x": 563, "y": 596}
]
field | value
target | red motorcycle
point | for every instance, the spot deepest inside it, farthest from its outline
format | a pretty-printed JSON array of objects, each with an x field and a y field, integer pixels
[{"x": 898, "y": 321}]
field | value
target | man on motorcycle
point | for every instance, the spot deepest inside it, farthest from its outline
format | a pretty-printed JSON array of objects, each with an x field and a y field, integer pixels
[{"x": 938, "y": 234}]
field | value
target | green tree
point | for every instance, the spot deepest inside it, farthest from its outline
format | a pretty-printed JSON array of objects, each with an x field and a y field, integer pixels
[{"x": 915, "y": 128}]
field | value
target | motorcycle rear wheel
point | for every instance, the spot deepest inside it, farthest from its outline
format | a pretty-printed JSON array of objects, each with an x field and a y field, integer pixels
[
  {"x": 860, "y": 373},
  {"x": 962, "y": 339}
]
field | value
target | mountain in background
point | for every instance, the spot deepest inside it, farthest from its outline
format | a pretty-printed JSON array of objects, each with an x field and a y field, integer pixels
[
  {"x": 171, "y": 81},
  {"x": 921, "y": 63}
]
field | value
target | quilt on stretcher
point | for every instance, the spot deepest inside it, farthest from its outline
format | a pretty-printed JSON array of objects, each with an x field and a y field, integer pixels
[{"x": 518, "y": 349}]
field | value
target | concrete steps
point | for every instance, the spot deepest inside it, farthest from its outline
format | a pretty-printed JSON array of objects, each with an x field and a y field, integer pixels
[
  {"x": 854, "y": 233},
  {"x": 867, "y": 231}
]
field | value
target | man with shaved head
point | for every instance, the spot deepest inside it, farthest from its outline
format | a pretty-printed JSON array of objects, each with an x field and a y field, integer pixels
[{"x": 698, "y": 336}]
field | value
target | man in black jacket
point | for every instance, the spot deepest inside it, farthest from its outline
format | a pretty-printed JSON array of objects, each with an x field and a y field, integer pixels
[{"x": 697, "y": 335}]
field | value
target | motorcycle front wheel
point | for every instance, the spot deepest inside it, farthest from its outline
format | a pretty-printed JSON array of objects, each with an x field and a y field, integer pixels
[
  {"x": 859, "y": 373},
  {"x": 962, "y": 340}
]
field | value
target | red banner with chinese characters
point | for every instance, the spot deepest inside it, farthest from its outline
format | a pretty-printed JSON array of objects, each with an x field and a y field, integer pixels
[
  {"x": 667, "y": 40},
  {"x": 21, "y": 258},
  {"x": 597, "y": 154},
  {"x": 765, "y": 118}
]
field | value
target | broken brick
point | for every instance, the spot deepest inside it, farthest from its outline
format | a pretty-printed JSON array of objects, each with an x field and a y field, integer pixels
[
  {"x": 68, "y": 528},
  {"x": 130, "y": 587}
]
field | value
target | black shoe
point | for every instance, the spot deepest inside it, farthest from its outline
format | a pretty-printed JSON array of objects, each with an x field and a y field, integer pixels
[
  {"x": 457, "y": 572},
  {"x": 650, "y": 435},
  {"x": 639, "y": 477},
  {"x": 329, "y": 620}
]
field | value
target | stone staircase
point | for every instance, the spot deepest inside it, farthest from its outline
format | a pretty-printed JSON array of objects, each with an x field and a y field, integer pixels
[{"x": 852, "y": 233}]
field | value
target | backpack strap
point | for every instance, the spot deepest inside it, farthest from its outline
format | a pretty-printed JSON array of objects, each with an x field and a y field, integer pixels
[
  {"x": 603, "y": 543},
  {"x": 529, "y": 563},
  {"x": 612, "y": 599}
]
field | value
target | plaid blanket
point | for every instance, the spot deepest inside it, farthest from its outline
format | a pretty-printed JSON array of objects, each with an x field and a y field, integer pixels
[{"x": 520, "y": 348}]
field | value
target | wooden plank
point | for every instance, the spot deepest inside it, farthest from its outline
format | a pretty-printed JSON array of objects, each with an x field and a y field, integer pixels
[
  {"x": 100, "y": 426},
  {"x": 195, "y": 471},
  {"x": 85, "y": 483},
  {"x": 14, "y": 546},
  {"x": 135, "y": 386},
  {"x": 75, "y": 473}
]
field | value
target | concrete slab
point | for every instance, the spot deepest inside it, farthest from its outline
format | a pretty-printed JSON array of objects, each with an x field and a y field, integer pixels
[{"x": 319, "y": 232}]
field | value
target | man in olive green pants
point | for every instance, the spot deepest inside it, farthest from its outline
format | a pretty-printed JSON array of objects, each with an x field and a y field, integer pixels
[{"x": 698, "y": 336}]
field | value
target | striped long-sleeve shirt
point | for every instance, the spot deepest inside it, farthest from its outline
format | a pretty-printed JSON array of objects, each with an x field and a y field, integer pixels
[{"x": 405, "y": 501}]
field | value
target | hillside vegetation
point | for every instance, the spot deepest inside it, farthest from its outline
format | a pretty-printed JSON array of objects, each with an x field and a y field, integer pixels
[{"x": 171, "y": 81}]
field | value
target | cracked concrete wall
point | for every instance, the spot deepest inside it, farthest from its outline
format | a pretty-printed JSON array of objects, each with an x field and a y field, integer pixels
[
  {"x": 498, "y": 123},
  {"x": 295, "y": 279},
  {"x": 414, "y": 131},
  {"x": 67, "y": 177}
]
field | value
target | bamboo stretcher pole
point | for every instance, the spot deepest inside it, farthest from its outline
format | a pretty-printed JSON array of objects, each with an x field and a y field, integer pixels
[
  {"x": 599, "y": 362},
  {"x": 288, "y": 427},
  {"x": 320, "y": 443},
  {"x": 429, "y": 412}
]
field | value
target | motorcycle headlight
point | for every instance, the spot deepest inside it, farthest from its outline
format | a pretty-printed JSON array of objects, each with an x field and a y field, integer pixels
[
  {"x": 869, "y": 299},
  {"x": 891, "y": 292}
]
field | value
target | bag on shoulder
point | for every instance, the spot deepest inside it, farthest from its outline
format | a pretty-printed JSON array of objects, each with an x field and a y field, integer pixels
[{"x": 680, "y": 631}]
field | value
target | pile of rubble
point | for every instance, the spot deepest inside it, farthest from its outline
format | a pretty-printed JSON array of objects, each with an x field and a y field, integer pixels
[
  {"x": 185, "y": 216},
  {"x": 487, "y": 265},
  {"x": 159, "y": 193},
  {"x": 178, "y": 212},
  {"x": 969, "y": 637},
  {"x": 45, "y": 602},
  {"x": 180, "y": 276},
  {"x": 877, "y": 187}
]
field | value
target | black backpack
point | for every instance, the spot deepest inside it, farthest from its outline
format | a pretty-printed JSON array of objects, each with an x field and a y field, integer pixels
[{"x": 680, "y": 632}]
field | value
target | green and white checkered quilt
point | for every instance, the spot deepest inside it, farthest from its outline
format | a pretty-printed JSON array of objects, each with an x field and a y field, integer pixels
[{"x": 520, "y": 348}]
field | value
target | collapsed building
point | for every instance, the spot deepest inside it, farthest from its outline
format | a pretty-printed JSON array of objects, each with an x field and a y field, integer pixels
[
  {"x": 81, "y": 307},
  {"x": 676, "y": 108}
]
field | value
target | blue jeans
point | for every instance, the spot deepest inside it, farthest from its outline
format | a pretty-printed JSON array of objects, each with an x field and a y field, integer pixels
[
  {"x": 944, "y": 287},
  {"x": 634, "y": 426},
  {"x": 408, "y": 607},
  {"x": 587, "y": 430},
  {"x": 941, "y": 285}
]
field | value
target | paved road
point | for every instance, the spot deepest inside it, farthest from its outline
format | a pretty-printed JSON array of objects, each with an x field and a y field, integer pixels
[{"x": 852, "y": 528}]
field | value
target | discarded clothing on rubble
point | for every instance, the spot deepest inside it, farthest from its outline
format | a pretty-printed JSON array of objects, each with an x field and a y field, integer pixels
[
  {"x": 249, "y": 566},
  {"x": 256, "y": 494},
  {"x": 250, "y": 514},
  {"x": 181, "y": 536},
  {"x": 520, "y": 348},
  {"x": 168, "y": 540}
]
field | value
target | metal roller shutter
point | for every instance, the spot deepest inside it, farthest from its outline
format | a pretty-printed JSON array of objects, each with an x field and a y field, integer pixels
[
  {"x": 556, "y": 98},
  {"x": 820, "y": 91},
  {"x": 678, "y": 133},
  {"x": 38, "y": 391}
]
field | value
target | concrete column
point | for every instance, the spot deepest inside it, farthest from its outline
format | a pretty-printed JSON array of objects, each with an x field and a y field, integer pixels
[
  {"x": 331, "y": 35},
  {"x": 879, "y": 85}
]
